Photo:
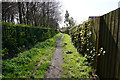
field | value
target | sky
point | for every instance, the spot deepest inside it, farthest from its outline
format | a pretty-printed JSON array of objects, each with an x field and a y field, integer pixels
[{"x": 80, "y": 10}]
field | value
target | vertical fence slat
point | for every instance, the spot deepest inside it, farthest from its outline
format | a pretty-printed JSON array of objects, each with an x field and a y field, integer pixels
[
  {"x": 98, "y": 23},
  {"x": 112, "y": 45},
  {"x": 109, "y": 46},
  {"x": 102, "y": 57},
  {"x": 104, "y": 42},
  {"x": 100, "y": 43},
  {"x": 110, "y": 40},
  {"x": 118, "y": 45},
  {"x": 115, "y": 36}
]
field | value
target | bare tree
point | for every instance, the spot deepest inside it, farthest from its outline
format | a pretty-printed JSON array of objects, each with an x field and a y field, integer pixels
[{"x": 45, "y": 14}]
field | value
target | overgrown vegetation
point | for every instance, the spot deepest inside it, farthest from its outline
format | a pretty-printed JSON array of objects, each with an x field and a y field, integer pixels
[
  {"x": 32, "y": 63},
  {"x": 75, "y": 65},
  {"x": 18, "y": 37},
  {"x": 83, "y": 40}
]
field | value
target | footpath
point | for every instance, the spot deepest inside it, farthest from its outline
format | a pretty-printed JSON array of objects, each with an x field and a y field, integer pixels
[{"x": 55, "y": 69}]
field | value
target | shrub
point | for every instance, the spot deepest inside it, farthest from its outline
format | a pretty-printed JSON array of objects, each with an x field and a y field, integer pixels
[
  {"x": 82, "y": 39},
  {"x": 18, "y": 37}
]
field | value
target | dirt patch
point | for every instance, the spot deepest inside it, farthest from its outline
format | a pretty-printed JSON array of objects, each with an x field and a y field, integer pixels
[{"x": 55, "y": 69}]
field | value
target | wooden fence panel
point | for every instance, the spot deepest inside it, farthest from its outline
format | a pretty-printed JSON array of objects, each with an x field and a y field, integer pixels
[
  {"x": 109, "y": 39},
  {"x": 118, "y": 45}
]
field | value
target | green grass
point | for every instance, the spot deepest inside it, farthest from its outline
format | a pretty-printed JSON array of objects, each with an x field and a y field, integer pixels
[
  {"x": 74, "y": 65},
  {"x": 26, "y": 63}
]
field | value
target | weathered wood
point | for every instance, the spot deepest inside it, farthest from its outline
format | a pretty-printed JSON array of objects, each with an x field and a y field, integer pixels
[
  {"x": 98, "y": 42},
  {"x": 112, "y": 44},
  {"x": 104, "y": 42},
  {"x": 109, "y": 39},
  {"x": 107, "y": 45},
  {"x": 115, "y": 41},
  {"x": 118, "y": 45}
]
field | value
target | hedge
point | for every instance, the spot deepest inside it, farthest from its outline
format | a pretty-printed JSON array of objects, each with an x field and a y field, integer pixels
[{"x": 18, "y": 37}]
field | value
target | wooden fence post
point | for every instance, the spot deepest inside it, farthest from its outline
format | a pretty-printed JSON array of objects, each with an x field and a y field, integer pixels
[{"x": 97, "y": 44}]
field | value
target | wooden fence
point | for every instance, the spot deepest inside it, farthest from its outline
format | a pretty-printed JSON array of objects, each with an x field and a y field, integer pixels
[{"x": 106, "y": 31}]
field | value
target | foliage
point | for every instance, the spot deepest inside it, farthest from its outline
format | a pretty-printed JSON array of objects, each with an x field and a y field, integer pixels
[
  {"x": 26, "y": 63},
  {"x": 83, "y": 41},
  {"x": 18, "y": 37},
  {"x": 75, "y": 65},
  {"x": 69, "y": 21},
  {"x": 65, "y": 30}
]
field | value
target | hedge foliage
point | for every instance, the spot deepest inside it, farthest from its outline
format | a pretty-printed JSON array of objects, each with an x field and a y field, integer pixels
[
  {"x": 18, "y": 37},
  {"x": 82, "y": 39}
]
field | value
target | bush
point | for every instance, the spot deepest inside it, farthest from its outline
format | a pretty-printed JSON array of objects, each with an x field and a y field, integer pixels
[
  {"x": 18, "y": 37},
  {"x": 82, "y": 39}
]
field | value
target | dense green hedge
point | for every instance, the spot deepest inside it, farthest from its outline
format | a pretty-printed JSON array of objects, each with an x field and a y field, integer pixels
[
  {"x": 18, "y": 37},
  {"x": 82, "y": 39}
]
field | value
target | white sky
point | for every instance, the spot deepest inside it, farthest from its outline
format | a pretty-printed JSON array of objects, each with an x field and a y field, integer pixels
[{"x": 80, "y": 10}]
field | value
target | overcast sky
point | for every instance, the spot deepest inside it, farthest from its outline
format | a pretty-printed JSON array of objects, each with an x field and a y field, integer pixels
[{"x": 80, "y": 10}]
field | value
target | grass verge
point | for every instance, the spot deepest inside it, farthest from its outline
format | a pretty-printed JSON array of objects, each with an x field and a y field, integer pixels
[
  {"x": 32, "y": 63},
  {"x": 74, "y": 65}
]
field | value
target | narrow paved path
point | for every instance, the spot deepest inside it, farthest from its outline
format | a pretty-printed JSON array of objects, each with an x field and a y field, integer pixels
[{"x": 55, "y": 69}]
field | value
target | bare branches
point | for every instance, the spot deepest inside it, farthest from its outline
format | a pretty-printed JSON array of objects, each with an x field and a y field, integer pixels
[{"x": 45, "y": 14}]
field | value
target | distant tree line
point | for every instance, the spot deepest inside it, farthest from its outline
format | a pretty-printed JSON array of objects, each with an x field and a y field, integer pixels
[{"x": 43, "y": 14}]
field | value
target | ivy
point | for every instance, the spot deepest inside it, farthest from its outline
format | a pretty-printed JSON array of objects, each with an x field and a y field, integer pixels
[{"x": 82, "y": 39}]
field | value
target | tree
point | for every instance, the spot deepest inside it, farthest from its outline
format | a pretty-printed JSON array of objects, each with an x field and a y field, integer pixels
[
  {"x": 20, "y": 11},
  {"x": 9, "y": 10},
  {"x": 45, "y": 14},
  {"x": 69, "y": 21},
  {"x": 66, "y": 18}
]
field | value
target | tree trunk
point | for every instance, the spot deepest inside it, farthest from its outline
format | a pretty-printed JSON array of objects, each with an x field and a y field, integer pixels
[{"x": 20, "y": 13}]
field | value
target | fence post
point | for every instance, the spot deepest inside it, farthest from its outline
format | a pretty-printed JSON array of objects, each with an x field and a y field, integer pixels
[{"x": 97, "y": 45}]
